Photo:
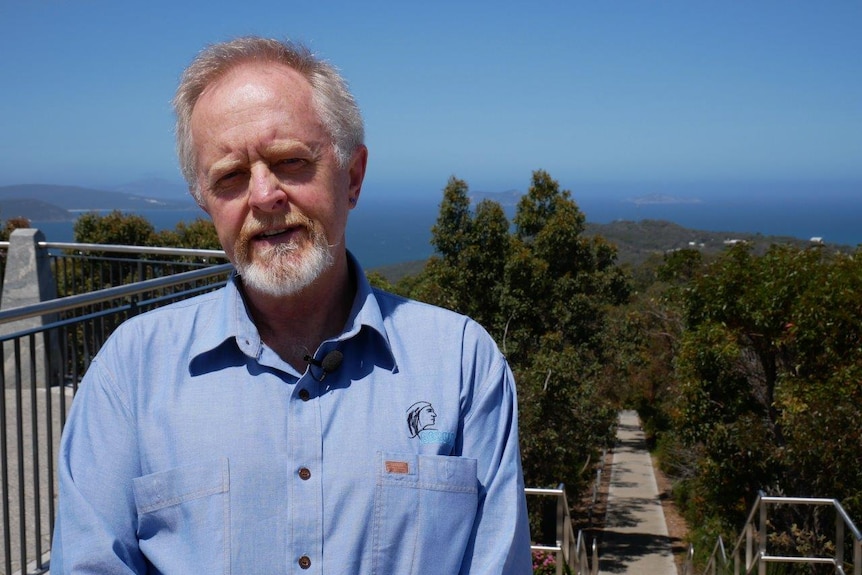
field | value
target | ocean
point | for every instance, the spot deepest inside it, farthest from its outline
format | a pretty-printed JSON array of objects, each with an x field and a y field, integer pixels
[
  {"x": 379, "y": 232},
  {"x": 394, "y": 229}
]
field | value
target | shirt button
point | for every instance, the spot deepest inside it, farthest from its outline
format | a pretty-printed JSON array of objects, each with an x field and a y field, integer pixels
[
  {"x": 304, "y": 473},
  {"x": 304, "y": 562},
  {"x": 304, "y": 395}
]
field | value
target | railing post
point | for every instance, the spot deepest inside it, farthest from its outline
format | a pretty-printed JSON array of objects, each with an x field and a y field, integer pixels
[
  {"x": 736, "y": 561},
  {"x": 561, "y": 521},
  {"x": 839, "y": 540},
  {"x": 749, "y": 547},
  {"x": 761, "y": 540},
  {"x": 857, "y": 557},
  {"x": 562, "y": 532},
  {"x": 28, "y": 279}
]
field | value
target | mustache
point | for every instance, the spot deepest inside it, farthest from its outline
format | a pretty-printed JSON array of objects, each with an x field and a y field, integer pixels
[{"x": 258, "y": 224}]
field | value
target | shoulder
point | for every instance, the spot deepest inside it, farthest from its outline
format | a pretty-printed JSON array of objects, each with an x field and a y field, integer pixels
[
  {"x": 412, "y": 315},
  {"x": 175, "y": 325},
  {"x": 442, "y": 332}
]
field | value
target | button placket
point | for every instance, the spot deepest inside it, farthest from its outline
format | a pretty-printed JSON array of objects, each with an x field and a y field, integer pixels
[{"x": 305, "y": 440}]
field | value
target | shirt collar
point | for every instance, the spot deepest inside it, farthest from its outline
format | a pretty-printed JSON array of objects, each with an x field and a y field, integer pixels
[
  {"x": 366, "y": 310},
  {"x": 233, "y": 321}
]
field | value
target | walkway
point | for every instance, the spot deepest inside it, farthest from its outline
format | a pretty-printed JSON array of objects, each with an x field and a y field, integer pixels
[{"x": 635, "y": 539}]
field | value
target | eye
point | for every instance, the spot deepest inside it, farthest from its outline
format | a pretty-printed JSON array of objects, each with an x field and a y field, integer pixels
[
  {"x": 226, "y": 183},
  {"x": 291, "y": 163}
]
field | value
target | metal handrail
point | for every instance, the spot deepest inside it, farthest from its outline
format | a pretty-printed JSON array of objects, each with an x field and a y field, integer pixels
[
  {"x": 76, "y": 301},
  {"x": 753, "y": 540},
  {"x": 119, "y": 248},
  {"x": 569, "y": 550},
  {"x": 44, "y": 364},
  {"x": 688, "y": 562}
]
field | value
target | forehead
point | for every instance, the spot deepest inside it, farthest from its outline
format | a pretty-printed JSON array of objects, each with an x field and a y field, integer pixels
[{"x": 253, "y": 85}]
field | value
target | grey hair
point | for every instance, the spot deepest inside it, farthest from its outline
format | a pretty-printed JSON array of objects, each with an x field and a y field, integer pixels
[{"x": 332, "y": 100}]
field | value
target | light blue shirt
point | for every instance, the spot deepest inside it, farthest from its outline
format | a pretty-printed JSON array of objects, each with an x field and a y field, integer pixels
[{"x": 192, "y": 447}]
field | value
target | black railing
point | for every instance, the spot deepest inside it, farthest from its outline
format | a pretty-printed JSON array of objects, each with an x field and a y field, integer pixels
[
  {"x": 43, "y": 367},
  {"x": 82, "y": 268}
]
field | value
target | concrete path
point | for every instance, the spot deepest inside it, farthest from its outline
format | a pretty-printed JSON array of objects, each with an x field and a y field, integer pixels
[{"x": 635, "y": 539}]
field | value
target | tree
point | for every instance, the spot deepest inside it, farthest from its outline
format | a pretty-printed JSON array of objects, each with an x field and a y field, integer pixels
[
  {"x": 819, "y": 397},
  {"x": 558, "y": 289},
  {"x": 470, "y": 257},
  {"x": 543, "y": 291},
  {"x": 769, "y": 381},
  {"x": 11, "y": 225},
  {"x": 200, "y": 233},
  {"x": 118, "y": 228}
]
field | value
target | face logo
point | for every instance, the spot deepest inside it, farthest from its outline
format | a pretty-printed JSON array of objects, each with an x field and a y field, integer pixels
[
  {"x": 421, "y": 421},
  {"x": 420, "y": 416}
]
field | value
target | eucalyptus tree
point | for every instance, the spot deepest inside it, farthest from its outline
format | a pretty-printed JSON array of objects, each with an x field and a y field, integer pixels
[
  {"x": 543, "y": 290},
  {"x": 769, "y": 379}
]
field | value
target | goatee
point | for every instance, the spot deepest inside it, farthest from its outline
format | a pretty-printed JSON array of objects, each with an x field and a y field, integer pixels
[{"x": 287, "y": 268}]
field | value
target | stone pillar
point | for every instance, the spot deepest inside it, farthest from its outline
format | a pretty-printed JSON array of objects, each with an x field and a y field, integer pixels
[{"x": 28, "y": 280}]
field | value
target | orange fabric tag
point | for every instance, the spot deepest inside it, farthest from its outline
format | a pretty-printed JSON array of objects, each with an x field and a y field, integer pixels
[{"x": 397, "y": 467}]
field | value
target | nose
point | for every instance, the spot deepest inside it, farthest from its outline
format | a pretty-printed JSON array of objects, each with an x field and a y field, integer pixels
[{"x": 264, "y": 192}]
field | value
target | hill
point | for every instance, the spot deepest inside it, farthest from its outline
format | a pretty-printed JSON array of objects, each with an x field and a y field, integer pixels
[
  {"x": 155, "y": 188},
  {"x": 76, "y": 198},
  {"x": 637, "y": 241},
  {"x": 34, "y": 210}
]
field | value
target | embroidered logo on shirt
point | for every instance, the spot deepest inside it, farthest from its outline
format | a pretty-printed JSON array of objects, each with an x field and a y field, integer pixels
[{"x": 421, "y": 419}]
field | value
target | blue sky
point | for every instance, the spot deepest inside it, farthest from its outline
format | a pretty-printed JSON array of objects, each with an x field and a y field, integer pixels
[{"x": 611, "y": 91}]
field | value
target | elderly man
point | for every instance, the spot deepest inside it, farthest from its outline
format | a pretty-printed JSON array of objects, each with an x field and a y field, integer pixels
[{"x": 297, "y": 420}]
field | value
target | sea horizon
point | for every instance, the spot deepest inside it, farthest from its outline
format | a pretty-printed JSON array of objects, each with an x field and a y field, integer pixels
[{"x": 389, "y": 229}]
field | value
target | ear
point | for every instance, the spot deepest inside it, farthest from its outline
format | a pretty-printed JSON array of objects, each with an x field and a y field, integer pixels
[{"x": 356, "y": 174}]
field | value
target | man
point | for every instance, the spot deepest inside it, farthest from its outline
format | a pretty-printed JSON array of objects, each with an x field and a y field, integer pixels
[{"x": 266, "y": 427}]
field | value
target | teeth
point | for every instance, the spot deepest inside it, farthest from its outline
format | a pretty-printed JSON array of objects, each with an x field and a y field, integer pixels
[{"x": 272, "y": 233}]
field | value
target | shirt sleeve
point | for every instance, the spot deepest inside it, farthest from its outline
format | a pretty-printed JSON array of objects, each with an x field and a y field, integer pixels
[
  {"x": 500, "y": 541},
  {"x": 95, "y": 529}
]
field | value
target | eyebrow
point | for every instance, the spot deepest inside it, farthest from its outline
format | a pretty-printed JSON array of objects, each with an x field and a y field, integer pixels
[
  {"x": 293, "y": 147},
  {"x": 223, "y": 166},
  {"x": 229, "y": 163}
]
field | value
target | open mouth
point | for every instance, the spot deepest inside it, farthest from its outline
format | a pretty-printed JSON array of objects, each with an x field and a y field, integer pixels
[
  {"x": 277, "y": 233},
  {"x": 273, "y": 233}
]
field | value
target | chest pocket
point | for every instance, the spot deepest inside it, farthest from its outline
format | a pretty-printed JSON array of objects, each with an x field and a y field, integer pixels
[
  {"x": 424, "y": 510},
  {"x": 184, "y": 518}
]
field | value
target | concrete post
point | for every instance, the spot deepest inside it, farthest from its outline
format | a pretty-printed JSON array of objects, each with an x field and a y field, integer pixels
[{"x": 28, "y": 280}]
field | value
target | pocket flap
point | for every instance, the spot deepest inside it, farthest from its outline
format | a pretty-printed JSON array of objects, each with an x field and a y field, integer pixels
[
  {"x": 174, "y": 486},
  {"x": 435, "y": 472}
]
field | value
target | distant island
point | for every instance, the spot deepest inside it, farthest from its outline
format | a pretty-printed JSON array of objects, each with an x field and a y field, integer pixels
[
  {"x": 46, "y": 202},
  {"x": 34, "y": 210},
  {"x": 507, "y": 200},
  {"x": 651, "y": 199}
]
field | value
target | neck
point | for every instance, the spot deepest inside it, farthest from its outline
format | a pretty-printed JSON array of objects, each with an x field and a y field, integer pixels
[{"x": 296, "y": 325}]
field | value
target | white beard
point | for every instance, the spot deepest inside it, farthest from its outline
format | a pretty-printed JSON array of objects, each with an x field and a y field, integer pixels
[{"x": 281, "y": 270}]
